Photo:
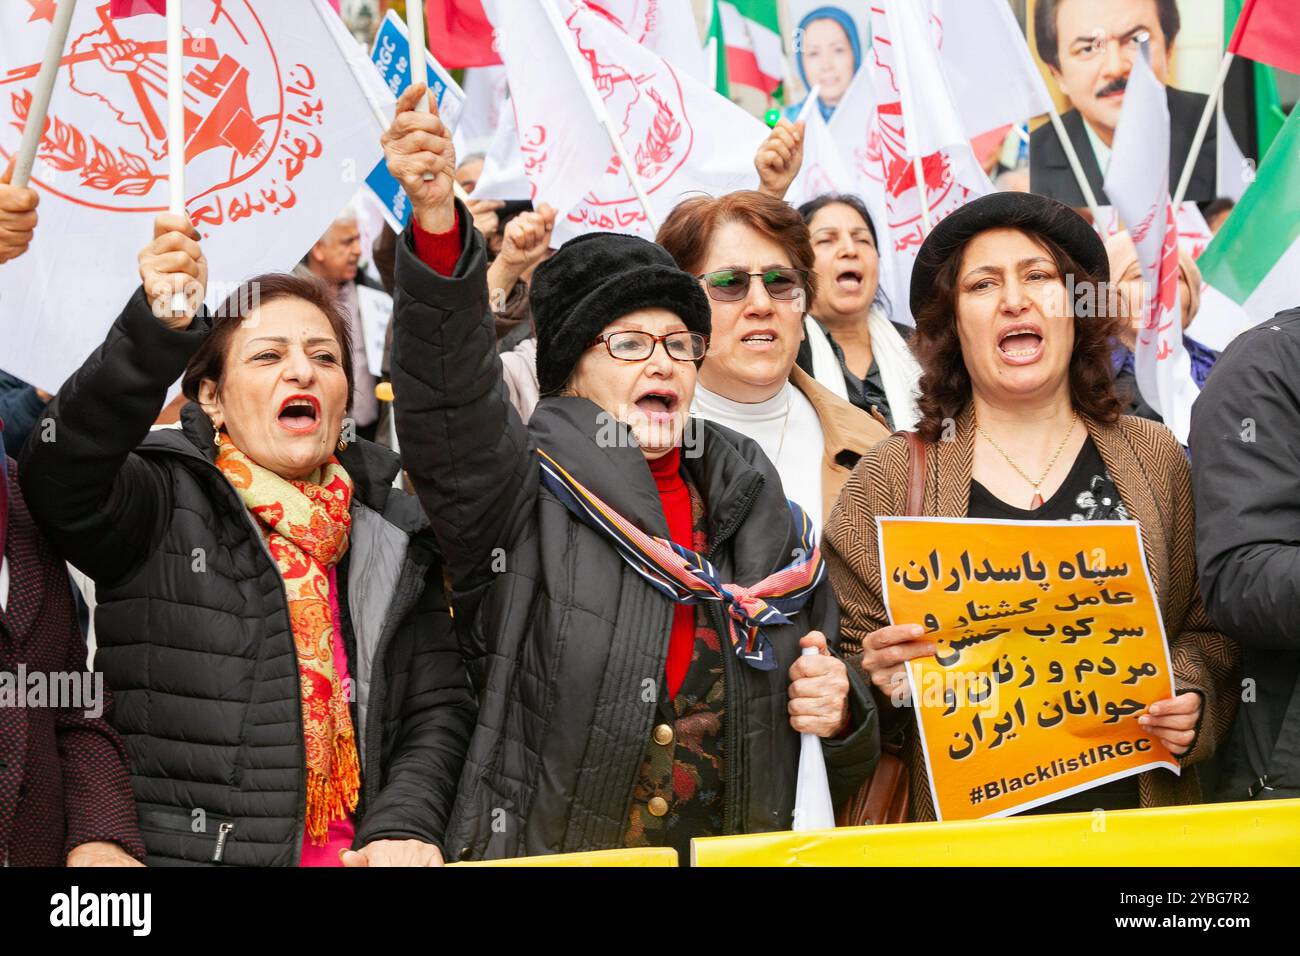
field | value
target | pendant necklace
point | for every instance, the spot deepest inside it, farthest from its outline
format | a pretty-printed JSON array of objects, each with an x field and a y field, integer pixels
[{"x": 1037, "y": 501}]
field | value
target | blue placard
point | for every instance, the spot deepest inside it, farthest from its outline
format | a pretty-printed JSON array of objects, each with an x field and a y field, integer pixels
[{"x": 391, "y": 56}]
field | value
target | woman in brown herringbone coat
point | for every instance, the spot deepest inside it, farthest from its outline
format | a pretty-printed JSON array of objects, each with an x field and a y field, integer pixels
[{"x": 1019, "y": 422}]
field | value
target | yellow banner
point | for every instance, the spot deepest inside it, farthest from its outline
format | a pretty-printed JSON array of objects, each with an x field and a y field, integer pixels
[
  {"x": 640, "y": 856},
  {"x": 1050, "y": 645},
  {"x": 1259, "y": 833}
]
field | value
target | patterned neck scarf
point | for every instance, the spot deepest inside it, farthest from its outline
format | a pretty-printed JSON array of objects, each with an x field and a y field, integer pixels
[
  {"x": 689, "y": 578},
  {"x": 306, "y": 524}
]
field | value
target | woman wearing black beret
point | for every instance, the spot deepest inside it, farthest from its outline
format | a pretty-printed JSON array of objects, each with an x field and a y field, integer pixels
[
  {"x": 1019, "y": 421},
  {"x": 634, "y": 605}
]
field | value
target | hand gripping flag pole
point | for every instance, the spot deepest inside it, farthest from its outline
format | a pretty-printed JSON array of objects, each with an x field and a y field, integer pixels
[
  {"x": 35, "y": 126},
  {"x": 176, "y": 123}
]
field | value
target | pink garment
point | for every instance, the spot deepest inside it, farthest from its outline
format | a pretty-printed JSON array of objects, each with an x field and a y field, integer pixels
[{"x": 341, "y": 832}]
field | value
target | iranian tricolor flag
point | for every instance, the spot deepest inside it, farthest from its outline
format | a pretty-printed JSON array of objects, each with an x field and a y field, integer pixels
[
  {"x": 1255, "y": 258},
  {"x": 751, "y": 30},
  {"x": 1269, "y": 32}
]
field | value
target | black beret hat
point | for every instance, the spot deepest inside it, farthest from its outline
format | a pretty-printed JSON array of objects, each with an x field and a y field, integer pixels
[
  {"x": 595, "y": 279},
  {"x": 1007, "y": 210}
]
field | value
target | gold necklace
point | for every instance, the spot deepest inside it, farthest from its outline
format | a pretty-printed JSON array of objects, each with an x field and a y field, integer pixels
[{"x": 1037, "y": 501}]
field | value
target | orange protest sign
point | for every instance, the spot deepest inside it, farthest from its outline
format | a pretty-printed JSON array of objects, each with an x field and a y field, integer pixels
[{"x": 1050, "y": 646}]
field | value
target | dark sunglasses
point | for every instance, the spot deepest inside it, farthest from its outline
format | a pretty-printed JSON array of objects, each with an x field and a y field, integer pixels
[
  {"x": 633, "y": 346},
  {"x": 729, "y": 285}
]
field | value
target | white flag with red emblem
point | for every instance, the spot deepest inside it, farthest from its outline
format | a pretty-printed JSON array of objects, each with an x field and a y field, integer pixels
[
  {"x": 1139, "y": 189},
  {"x": 911, "y": 114},
  {"x": 504, "y": 174},
  {"x": 986, "y": 60},
  {"x": 680, "y": 136},
  {"x": 280, "y": 131}
]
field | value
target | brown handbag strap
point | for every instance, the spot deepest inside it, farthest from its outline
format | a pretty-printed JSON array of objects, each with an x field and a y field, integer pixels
[{"x": 915, "y": 474}]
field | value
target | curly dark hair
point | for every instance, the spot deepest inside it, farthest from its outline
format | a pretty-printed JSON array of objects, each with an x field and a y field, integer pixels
[{"x": 945, "y": 382}]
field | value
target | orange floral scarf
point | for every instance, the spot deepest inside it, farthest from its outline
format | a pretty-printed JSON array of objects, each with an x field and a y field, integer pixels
[{"x": 306, "y": 524}]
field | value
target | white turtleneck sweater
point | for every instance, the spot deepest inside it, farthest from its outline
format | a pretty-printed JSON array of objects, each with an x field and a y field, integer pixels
[{"x": 797, "y": 456}]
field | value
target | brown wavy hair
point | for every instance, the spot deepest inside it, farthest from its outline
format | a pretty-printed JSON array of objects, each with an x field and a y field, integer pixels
[
  {"x": 689, "y": 229},
  {"x": 945, "y": 382}
]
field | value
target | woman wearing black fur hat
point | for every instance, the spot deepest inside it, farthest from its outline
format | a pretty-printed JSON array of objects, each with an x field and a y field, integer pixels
[
  {"x": 628, "y": 695},
  {"x": 1019, "y": 421}
]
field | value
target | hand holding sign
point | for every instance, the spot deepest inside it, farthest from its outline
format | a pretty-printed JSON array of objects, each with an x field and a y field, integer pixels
[
  {"x": 1174, "y": 721},
  {"x": 779, "y": 158},
  {"x": 885, "y": 654},
  {"x": 17, "y": 217},
  {"x": 419, "y": 143},
  {"x": 174, "y": 264}
]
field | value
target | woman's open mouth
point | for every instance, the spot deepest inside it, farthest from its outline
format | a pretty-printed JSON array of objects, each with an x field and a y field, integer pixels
[
  {"x": 850, "y": 280},
  {"x": 658, "y": 406},
  {"x": 1021, "y": 344},
  {"x": 299, "y": 414}
]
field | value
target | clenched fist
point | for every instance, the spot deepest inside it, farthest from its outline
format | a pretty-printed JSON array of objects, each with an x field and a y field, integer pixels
[
  {"x": 527, "y": 238},
  {"x": 779, "y": 158},
  {"x": 418, "y": 143},
  {"x": 173, "y": 263},
  {"x": 17, "y": 217}
]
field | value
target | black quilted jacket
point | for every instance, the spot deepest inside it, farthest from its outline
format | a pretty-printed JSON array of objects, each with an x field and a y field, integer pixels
[
  {"x": 567, "y": 644},
  {"x": 193, "y": 630}
]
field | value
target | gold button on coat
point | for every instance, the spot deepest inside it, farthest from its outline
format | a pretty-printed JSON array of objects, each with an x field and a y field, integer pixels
[
  {"x": 658, "y": 806},
  {"x": 663, "y": 735}
]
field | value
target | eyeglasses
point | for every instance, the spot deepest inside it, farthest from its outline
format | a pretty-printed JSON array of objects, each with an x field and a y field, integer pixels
[
  {"x": 633, "y": 346},
  {"x": 728, "y": 285}
]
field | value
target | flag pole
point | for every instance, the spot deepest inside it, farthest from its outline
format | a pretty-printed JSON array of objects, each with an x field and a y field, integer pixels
[
  {"x": 1072, "y": 157},
  {"x": 909, "y": 111},
  {"x": 598, "y": 107},
  {"x": 176, "y": 123},
  {"x": 808, "y": 103},
  {"x": 1202, "y": 127},
  {"x": 35, "y": 125},
  {"x": 419, "y": 63}
]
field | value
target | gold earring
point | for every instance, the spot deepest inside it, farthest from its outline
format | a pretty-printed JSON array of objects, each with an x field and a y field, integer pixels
[
  {"x": 216, "y": 434},
  {"x": 342, "y": 445}
]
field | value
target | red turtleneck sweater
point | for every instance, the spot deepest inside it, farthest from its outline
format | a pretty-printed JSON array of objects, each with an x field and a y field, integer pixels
[{"x": 676, "y": 501}]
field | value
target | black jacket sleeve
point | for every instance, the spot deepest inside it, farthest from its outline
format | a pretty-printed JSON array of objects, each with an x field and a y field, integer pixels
[
  {"x": 101, "y": 505},
  {"x": 463, "y": 444},
  {"x": 437, "y": 716},
  {"x": 1245, "y": 448}
]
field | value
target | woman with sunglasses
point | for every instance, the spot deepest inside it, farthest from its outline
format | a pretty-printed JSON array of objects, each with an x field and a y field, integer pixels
[
  {"x": 752, "y": 255},
  {"x": 607, "y": 576}
]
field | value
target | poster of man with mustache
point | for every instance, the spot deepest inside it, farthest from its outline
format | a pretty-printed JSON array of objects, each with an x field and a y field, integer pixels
[{"x": 1088, "y": 48}]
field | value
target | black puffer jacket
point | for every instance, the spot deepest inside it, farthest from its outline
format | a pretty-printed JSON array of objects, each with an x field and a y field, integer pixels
[
  {"x": 193, "y": 628},
  {"x": 564, "y": 638}
]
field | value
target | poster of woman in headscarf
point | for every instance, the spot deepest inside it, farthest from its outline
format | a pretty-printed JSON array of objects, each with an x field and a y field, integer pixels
[{"x": 828, "y": 45}]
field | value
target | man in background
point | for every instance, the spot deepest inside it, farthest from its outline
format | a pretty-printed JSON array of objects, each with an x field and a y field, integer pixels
[
  {"x": 335, "y": 259},
  {"x": 1090, "y": 47}
]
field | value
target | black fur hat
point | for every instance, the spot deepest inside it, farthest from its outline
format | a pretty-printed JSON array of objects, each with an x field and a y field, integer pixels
[{"x": 595, "y": 279}]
